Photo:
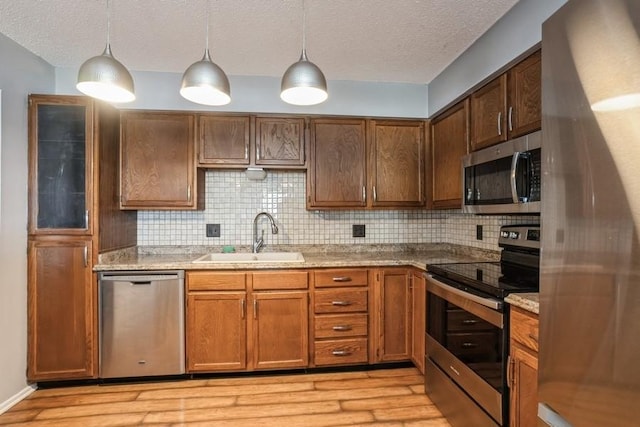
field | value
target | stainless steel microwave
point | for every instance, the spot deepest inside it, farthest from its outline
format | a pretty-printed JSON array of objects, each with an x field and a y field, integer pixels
[{"x": 504, "y": 178}]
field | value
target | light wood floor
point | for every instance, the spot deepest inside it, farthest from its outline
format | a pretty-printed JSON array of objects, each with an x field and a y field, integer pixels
[{"x": 389, "y": 397}]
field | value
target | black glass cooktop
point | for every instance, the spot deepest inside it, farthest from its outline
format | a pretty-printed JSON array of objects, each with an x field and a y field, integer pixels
[{"x": 493, "y": 278}]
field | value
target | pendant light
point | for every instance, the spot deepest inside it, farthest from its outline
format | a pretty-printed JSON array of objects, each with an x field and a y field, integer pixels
[
  {"x": 204, "y": 82},
  {"x": 104, "y": 77},
  {"x": 303, "y": 83}
]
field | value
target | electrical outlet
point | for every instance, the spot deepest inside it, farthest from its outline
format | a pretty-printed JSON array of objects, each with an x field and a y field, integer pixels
[
  {"x": 213, "y": 230},
  {"x": 358, "y": 230},
  {"x": 478, "y": 232}
]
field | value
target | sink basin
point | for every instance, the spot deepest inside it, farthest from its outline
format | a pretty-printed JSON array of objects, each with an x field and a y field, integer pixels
[{"x": 243, "y": 257}]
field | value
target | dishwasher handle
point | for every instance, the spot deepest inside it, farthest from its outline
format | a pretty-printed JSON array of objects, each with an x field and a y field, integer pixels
[{"x": 141, "y": 279}]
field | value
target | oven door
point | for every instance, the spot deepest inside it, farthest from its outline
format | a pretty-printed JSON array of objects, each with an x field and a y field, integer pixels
[{"x": 465, "y": 343}]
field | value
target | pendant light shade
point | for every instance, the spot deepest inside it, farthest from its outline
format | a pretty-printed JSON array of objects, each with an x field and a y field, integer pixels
[
  {"x": 303, "y": 83},
  {"x": 205, "y": 83},
  {"x": 104, "y": 77}
]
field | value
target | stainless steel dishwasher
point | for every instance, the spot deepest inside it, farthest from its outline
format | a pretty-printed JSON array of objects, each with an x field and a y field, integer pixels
[{"x": 141, "y": 323}]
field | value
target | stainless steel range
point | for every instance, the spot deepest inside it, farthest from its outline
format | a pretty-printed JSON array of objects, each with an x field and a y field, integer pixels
[{"x": 467, "y": 329}]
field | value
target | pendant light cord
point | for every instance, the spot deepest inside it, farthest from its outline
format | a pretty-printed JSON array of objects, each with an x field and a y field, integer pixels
[
  {"x": 304, "y": 27},
  {"x": 208, "y": 14},
  {"x": 108, "y": 22}
]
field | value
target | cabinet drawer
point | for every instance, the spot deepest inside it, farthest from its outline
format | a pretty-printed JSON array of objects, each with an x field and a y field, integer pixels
[
  {"x": 460, "y": 320},
  {"x": 340, "y": 300},
  {"x": 341, "y": 325},
  {"x": 265, "y": 280},
  {"x": 524, "y": 328},
  {"x": 341, "y": 352},
  {"x": 341, "y": 277},
  {"x": 210, "y": 281}
]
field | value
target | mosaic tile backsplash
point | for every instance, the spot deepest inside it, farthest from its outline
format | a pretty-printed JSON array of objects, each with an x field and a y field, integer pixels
[{"x": 233, "y": 201}]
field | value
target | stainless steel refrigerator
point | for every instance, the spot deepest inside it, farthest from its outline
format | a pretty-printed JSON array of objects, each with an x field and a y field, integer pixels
[{"x": 589, "y": 361}]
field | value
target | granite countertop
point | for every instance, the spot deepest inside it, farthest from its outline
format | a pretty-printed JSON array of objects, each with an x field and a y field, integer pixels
[
  {"x": 181, "y": 258},
  {"x": 527, "y": 301}
]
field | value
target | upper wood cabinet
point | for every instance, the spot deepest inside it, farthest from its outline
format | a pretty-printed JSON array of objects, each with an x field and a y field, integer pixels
[
  {"x": 449, "y": 142},
  {"x": 240, "y": 141},
  {"x": 158, "y": 168},
  {"x": 358, "y": 163},
  {"x": 508, "y": 106},
  {"x": 397, "y": 163},
  {"x": 224, "y": 140},
  {"x": 280, "y": 141},
  {"x": 337, "y": 174}
]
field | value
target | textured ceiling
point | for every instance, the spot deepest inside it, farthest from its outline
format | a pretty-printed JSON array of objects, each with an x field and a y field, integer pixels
[{"x": 409, "y": 41}]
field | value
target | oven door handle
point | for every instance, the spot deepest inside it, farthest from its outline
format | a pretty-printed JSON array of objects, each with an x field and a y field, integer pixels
[{"x": 487, "y": 302}]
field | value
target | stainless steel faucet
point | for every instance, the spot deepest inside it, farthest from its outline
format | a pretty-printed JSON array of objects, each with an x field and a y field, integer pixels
[{"x": 258, "y": 242}]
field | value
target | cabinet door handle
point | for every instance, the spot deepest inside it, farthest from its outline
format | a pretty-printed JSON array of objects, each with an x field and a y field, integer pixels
[
  {"x": 85, "y": 254},
  {"x": 509, "y": 372},
  {"x": 510, "y": 118},
  {"x": 341, "y": 353},
  {"x": 189, "y": 192},
  {"x": 342, "y": 279},
  {"x": 341, "y": 303},
  {"x": 246, "y": 152},
  {"x": 469, "y": 322},
  {"x": 86, "y": 219},
  {"x": 243, "y": 307},
  {"x": 364, "y": 194},
  {"x": 500, "y": 123},
  {"x": 375, "y": 195},
  {"x": 342, "y": 328},
  {"x": 255, "y": 308}
]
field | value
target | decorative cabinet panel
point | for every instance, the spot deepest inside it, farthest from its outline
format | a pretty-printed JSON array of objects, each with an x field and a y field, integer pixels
[
  {"x": 393, "y": 315},
  {"x": 280, "y": 141},
  {"x": 449, "y": 143},
  {"x": 397, "y": 163},
  {"x": 508, "y": 106},
  {"x": 73, "y": 215},
  {"x": 158, "y": 168},
  {"x": 340, "y": 317},
  {"x": 224, "y": 141},
  {"x": 418, "y": 318},
  {"x": 337, "y": 174},
  {"x": 523, "y": 369}
]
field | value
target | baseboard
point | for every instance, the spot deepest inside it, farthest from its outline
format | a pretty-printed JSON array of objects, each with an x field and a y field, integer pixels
[{"x": 7, "y": 404}]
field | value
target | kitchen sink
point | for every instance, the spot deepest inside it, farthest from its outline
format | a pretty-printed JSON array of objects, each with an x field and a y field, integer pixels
[{"x": 244, "y": 257}]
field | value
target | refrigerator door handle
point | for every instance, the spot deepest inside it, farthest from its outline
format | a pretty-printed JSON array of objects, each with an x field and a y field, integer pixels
[{"x": 551, "y": 417}]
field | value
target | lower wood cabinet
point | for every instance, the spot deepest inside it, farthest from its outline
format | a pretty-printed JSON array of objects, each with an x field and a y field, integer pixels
[
  {"x": 61, "y": 309},
  {"x": 393, "y": 314},
  {"x": 243, "y": 321},
  {"x": 340, "y": 317},
  {"x": 523, "y": 369},
  {"x": 418, "y": 318}
]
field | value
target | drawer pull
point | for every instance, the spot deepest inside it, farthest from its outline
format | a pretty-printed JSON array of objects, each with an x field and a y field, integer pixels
[
  {"x": 342, "y": 328},
  {"x": 454, "y": 370},
  {"x": 341, "y": 303},
  {"x": 469, "y": 322},
  {"x": 342, "y": 279},
  {"x": 341, "y": 353},
  {"x": 533, "y": 337},
  {"x": 469, "y": 345}
]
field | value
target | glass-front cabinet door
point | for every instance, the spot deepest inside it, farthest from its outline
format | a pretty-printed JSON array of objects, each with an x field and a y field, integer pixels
[{"x": 60, "y": 154}]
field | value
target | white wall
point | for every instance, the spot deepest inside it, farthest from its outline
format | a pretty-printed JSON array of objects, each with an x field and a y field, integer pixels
[
  {"x": 517, "y": 31},
  {"x": 21, "y": 73},
  {"x": 262, "y": 94}
]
